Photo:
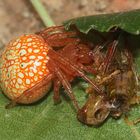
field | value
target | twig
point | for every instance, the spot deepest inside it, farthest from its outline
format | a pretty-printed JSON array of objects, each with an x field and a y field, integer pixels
[{"x": 42, "y": 12}]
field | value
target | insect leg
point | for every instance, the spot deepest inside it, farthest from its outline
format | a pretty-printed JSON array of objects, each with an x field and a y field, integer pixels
[
  {"x": 109, "y": 77},
  {"x": 134, "y": 122},
  {"x": 134, "y": 100}
]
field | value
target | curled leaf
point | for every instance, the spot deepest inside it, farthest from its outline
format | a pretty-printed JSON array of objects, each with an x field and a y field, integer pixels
[{"x": 127, "y": 21}]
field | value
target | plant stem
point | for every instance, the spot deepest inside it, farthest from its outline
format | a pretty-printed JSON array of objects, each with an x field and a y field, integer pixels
[{"x": 42, "y": 12}]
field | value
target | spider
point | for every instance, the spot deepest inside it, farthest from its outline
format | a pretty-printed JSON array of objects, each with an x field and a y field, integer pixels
[{"x": 32, "y": 62}]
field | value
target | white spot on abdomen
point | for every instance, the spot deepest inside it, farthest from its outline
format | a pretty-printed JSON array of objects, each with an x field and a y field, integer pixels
[
  {"x": 30, "y": 50},
  {"x": 37, "y": 63},
  {"x": 21, "y": 75},
  {"x": 36, "y": 50},
  {"x": 18, "y": 45},
  {"x": 28, "y": 81},
  {"x": 32, "y": 57},
  {"x": 40, "y": 57},
  {"x": 19, "y": 81},
  {"x": 29, "y": 39},
  {"x": 22, "y": 52},
  {"x": 31, "y": 74}
]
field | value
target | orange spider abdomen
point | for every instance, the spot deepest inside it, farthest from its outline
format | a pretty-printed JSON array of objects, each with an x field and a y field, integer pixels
[{"x": 23, "y": 64}]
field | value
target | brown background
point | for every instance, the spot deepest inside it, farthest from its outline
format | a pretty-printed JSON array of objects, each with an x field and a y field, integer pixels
[{"x": 18, "y": 16}]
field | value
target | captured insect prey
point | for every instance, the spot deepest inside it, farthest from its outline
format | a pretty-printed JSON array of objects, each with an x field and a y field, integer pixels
[{"x": 118, "y": 79}]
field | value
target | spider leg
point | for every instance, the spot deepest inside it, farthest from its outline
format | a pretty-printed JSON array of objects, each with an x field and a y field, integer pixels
[
  {"x": 50, "y": 30},
  {"x": 57, "y": 31},
  {"x": 57, "y": 36},
  {"x": 98, "y": 56},
  {"x": 110, "y": 55},
  {"x": 61, "y": 42},
  {"x": 29, "y": 94},
  {"x": 57, "y": 40},
  {"x": 62, "y": 35},
  {"x": 88, "y": 69},
  {"x": 57, "y": 85},
  {"x": 62, "y": 77},
  {"x": 67, "y": 87},
  {"x": 60, "y": 31},
  {"x": 68, "y": 64}
]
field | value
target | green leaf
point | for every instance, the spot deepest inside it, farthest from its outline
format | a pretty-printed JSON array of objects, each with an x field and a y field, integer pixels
[
  {"x": 46, "y": 121},
  {"x": 127, "y": 21}
]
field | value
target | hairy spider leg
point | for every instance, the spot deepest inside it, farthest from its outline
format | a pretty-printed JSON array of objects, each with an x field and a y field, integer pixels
[
  {"x": 88, "y": 69},
  {"x": 61, "y": 43},
  {"x": 68, "y": 64},
  {"x": 60, "y": 77},
  {"x": 57, "y": 40},
  {"x": 110, "y": 55},
  {"x": 56, "y": 87},
  {"x": 52, "y": 29},
  {"x": 63, "y": 79},
  {"x": 61, "y": 35},
  {"x": 56, "y": 30}
]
